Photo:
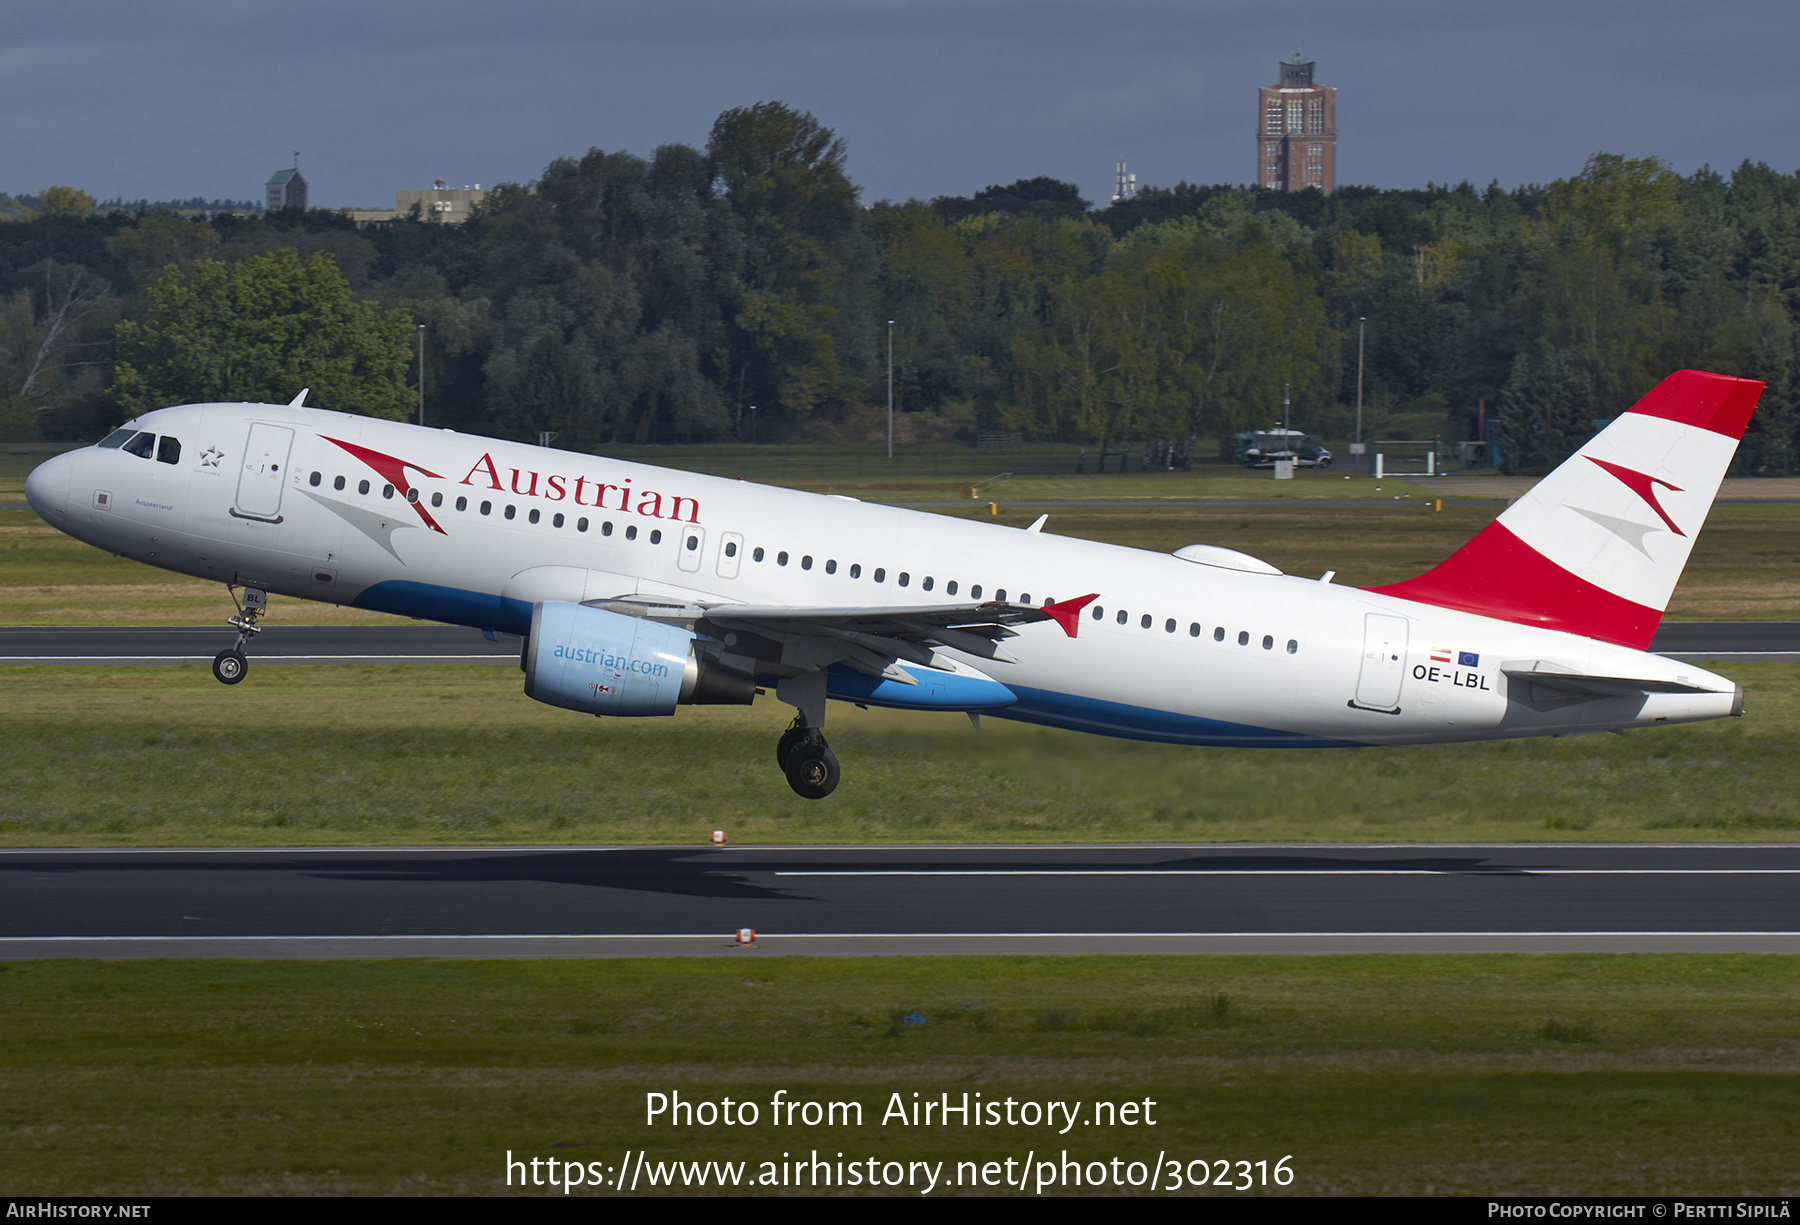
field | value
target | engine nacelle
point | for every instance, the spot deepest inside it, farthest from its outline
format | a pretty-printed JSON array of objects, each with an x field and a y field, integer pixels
[{"x": 605, "y": 663}]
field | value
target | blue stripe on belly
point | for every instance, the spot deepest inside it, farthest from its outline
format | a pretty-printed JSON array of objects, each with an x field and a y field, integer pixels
[
  {"x": 405, "y": 598},
  {"x": 1083, "y": 714}
]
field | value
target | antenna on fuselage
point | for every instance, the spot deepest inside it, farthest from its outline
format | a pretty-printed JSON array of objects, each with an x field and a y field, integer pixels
[{"x": 299, "y": 401}]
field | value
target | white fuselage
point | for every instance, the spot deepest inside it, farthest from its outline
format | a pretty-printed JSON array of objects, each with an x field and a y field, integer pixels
[{"x": 289, "y": 500}]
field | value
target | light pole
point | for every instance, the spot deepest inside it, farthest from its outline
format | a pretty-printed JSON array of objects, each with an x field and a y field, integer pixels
[
  {"x": 421, "y": 374},
  {"x": 1361, "y": 323},
  {"x": 890, "y": 454}
]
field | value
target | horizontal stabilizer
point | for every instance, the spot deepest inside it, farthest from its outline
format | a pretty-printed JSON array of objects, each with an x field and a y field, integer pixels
[{"x": 1566, "y": 680}]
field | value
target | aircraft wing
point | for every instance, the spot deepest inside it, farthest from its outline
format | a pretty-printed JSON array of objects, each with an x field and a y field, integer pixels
[{"x": 867, "y": 639}]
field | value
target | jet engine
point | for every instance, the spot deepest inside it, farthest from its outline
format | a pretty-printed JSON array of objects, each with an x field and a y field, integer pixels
[{"x": 606, "y": 663}]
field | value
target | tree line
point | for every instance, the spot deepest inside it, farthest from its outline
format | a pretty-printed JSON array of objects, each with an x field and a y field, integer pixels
[{"x": 742, "y": 290}]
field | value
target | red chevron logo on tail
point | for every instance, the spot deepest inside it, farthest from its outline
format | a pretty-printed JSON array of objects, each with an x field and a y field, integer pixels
[{"x": 1645, "y": 488}]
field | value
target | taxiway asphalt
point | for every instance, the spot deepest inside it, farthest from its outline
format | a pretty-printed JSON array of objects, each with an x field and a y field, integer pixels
[{"x": 858, "y": 901}]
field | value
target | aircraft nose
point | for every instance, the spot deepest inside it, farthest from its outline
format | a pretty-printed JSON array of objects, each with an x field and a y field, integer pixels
[{"x": 47, "y": 488}]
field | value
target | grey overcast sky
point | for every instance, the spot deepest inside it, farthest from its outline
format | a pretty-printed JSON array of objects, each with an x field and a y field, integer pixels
[{"x": 176, "y": 98}]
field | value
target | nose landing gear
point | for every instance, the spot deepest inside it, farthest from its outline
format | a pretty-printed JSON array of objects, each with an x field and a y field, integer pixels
[{"x": 230, "y": 665}]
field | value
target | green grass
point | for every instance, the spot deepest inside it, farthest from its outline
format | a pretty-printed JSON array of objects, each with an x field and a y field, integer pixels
[
  {"x": 334, "y": 755},
  {"x": 1556, "y": 1075}
]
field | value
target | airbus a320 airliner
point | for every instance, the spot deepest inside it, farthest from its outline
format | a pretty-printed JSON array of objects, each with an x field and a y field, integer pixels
[{"x": 638, "y": 589}]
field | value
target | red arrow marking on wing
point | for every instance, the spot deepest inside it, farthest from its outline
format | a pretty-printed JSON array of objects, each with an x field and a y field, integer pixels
[
  {"x": 1068, "y": 613},
  {"x": 393, "y": 470},
  {"x": 1644, "y": 487}
]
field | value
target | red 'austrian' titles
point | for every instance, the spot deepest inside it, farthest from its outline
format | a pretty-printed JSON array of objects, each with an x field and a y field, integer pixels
[{"x": 605, "y": 495}]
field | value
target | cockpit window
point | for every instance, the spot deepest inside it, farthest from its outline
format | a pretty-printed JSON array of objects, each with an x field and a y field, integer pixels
[
  {"x": 168, "y": 451},
  {"x": 142, "y": 445},
  {"x": 115, "y": 439}
]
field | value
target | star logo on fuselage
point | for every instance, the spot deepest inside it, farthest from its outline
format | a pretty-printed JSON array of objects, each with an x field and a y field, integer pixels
[{"x": 210, "y": 457}]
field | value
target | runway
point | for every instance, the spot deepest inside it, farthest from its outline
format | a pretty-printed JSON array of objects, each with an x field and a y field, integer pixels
[
  {"x": 857, "y": 901},
  {"x": 128, "y": 646}
]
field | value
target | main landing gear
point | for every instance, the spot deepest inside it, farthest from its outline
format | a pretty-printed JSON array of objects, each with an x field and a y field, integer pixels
[
  {"x": 810, "y": 765},
  {"x": 230, "y": 665}
]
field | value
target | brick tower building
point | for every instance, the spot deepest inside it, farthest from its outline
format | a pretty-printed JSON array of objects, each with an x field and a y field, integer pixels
[{"x": 1296, "y": 132}]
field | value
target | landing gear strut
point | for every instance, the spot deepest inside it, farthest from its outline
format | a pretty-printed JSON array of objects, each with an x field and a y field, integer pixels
[{"x": 230, "y": 665}]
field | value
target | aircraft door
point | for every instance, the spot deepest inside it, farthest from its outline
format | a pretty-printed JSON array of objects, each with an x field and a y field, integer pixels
[
  {"x": 693, "y": 539},
  {"x": 264, "y": 472},
  {"x": 1383, "y": 663},
  {"x": 731, "y": 554}
]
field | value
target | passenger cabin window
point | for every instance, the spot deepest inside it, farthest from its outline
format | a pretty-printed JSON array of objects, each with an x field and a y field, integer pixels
[
  {"x": 1268, "y": 642},
  {"x": 781, "y": 558},
  {"x": 487, "y": 508},
  {"x": 1219, "y": 633},
  {"x": 1099, "y": 613},
  {"x": 1243, "y": 638},
  {"x": 534, "y": 516},
  {"x": 631, "y": 532},
  {"x": 880, "y": 575},
  {"x": 115, "y": 439},
  {"x": 831, "y": 565},
  {"x": 339, "y": 484},
  {"x": 757, "y": 555},
  {"x": 1000, "y": 596},
  {"x": 363, "y": 487},
  {"x": 315, "y": 478},
  {"x": 581, "y": 525},
  {"x": 806, "y": 562},
  {"x": 558, "y": 521},
  {"x": 511, "y": 511},
  {"x": 1169, "y": 626},
  {"x": 461, "y": 503},
  {"x": 412, "y": 495},
  {"x": 387, "y": 491},
  {"x": 437, "y": 499},
  {"x": 141, "y": 445},
  {"x": 950, "y": 587},
  {"x": 1194, "y": 630},
  {"x": 1145, "y": 623},
  {"x": 656, "y": 536},
  {"x": 905, "y": 578},
  {"x": 1123, "y": 615},
  {"x": 730, "y": 548},
  {"x": 856, "y": 570},
  {"x": 927, "y": 583},
  {"x": 975, "y": 592},
  {"x": 605, "y": 528},
  {"x": 1293, "y": 646}
]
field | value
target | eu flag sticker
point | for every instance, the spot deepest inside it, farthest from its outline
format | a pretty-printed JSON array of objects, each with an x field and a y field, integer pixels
[{"x": 1467, "y": 659}]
